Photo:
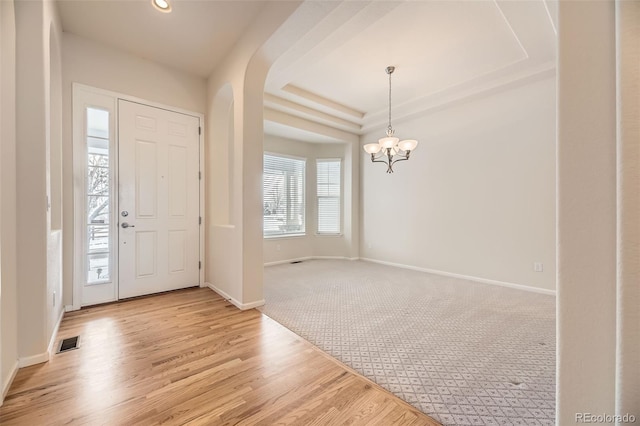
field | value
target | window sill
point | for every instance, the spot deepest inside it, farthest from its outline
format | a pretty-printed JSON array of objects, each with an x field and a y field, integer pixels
[
  {"x": 340, "y": 234},
  {"x": 92, "y": 283},
  {"x": 283, "y": 236}
]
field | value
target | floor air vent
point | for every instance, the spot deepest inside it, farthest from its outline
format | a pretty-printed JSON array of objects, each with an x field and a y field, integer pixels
[
  {"x": 296, "y": 261},
  {"x": 69, "y": 344}
]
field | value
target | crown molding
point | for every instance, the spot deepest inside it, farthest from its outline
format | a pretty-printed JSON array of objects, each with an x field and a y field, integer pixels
[
  {"x": 313, "y": 114},
  {"x": 300, "y": 123}
]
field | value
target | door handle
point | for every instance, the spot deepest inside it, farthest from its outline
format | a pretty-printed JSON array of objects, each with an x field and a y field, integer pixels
[{"x": 126, "y": 225}]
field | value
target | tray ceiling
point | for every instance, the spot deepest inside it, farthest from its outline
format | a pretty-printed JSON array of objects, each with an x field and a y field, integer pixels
[{"x": 442, "y": 51}]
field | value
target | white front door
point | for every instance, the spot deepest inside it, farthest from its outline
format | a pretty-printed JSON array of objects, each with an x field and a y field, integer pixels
[{"x": 158, "y": 209}]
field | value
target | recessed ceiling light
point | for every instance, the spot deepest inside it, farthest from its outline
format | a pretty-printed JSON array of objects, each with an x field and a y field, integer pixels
[{"x": 162, "y": 5}]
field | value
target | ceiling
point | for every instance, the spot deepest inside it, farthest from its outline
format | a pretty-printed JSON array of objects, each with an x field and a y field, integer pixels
[
  {"x": 331, "y": 83},
  {"x": 193, "y": 38}
]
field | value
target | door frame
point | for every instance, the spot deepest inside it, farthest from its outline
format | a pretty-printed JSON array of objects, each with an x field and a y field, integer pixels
[{"x": 80, "y": 93}]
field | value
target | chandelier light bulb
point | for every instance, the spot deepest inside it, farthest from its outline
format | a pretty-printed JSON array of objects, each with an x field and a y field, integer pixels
[
  {"x": 408, "y": 144},
  {"x": 388, "y": 142},
  {"x": 372, "y": 148}
]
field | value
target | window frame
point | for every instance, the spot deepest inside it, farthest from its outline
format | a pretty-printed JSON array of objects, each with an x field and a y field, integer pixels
[{"x": 106, "y": 291}]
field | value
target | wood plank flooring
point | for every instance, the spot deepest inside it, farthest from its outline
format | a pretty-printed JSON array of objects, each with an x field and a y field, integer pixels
[{"x": 190, "y": 357}]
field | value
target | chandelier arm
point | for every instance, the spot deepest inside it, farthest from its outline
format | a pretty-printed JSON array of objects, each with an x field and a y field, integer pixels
[
  {"x": 404, "y": 156},
  {"x": 386, "y": 161},
  {"x": 380, "y": 161},
  {"x": 399, "y": 159}
]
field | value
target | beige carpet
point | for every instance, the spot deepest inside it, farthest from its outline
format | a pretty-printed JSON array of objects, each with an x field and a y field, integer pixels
[{"x": 463, "y": 352}]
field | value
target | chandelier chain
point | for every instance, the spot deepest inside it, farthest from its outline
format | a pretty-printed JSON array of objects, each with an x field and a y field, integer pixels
[{"x": 389, "y": 128}]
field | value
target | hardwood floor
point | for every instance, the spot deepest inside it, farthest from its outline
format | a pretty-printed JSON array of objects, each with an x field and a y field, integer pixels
[{"x": 190, "y": 357}]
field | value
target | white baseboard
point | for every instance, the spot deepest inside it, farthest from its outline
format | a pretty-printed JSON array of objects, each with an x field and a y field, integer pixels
[
  {"x": 7, "y": 384},
  {"x": 43, "y": 357},
  {"x": 281, "y": 262},
  {"x": 238, "y": 304},
  {"x": 301, "y": 259},
  {"x": 464, "y": 277},
  {"x": 33, "y": 360},
  {"x": 54, "y": 334},
  {"x": 334, "y": 258},
  {"x": 71, "y": 308}
]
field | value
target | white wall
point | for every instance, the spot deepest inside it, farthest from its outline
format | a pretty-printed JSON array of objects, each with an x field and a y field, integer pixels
[
  {"x": 477, "y": 197},
  {"x": 93, "y": 64},
  {"x": 8, "y": 264},
  {"x": 279, "y": 249}
]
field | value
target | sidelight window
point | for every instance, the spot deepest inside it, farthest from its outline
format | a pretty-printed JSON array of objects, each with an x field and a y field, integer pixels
[{"x": 99, "y": 201}]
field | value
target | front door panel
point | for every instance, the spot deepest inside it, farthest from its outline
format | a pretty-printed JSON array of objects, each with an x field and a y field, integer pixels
[{"x": 159, "y": 200}]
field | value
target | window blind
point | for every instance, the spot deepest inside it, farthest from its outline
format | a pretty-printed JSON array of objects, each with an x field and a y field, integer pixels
[
  {"x": 329, "y": 195},
  {"x": 283, "y": 195}
]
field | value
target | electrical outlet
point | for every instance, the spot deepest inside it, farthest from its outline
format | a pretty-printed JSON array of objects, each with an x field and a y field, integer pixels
[
  {"x": 538, "y": 267},
  {"x": 369, "y": 245},
  {"x": 54, "y": 298},
  {"x": 277, "y": 247}
]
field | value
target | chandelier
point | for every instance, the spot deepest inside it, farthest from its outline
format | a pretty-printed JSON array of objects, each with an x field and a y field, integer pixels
[{"x": 389, "y": 150}]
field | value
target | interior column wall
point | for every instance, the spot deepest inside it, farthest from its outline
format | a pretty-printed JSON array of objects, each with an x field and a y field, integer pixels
[
  {"x": 38, "y": 249},
  {"x": 235, "y": 251},
  {"x": 8, "y": 272},
  {"x": 55, "y": 114},
  {"x": 53, "y": 297},
  {"x": 586, "y": 210},
  {"x": 252, "y": 133},
  {"x": 628, "y": 298},
  {"x": 32, "y": 138},
  {"x": 220, "y": 159},
  {"x": 221, "y": 168}
]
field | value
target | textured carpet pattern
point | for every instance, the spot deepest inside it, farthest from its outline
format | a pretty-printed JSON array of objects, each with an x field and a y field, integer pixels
[{"x": 463, "y": 352}]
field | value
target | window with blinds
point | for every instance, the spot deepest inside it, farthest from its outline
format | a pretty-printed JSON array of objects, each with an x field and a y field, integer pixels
[
  {"x": 283, "y": 201},
  {"x": 329, "y": 193}
]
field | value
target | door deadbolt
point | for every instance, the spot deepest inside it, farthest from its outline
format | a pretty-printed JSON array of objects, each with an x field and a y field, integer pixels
[{"x": 124, "y": 213}]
